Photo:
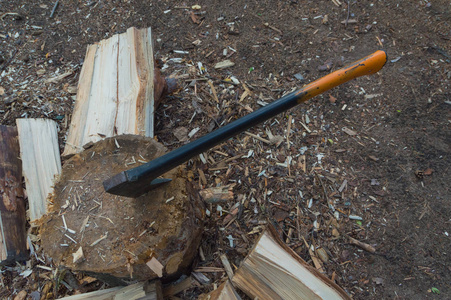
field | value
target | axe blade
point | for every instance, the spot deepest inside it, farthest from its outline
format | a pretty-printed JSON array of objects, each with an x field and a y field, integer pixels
[{"x": 120, "y": 185}]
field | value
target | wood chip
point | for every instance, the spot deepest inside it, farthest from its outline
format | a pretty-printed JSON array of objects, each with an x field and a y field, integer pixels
[
  {"x": 99, "y": 240},
  {"x": 155, "y": 266},
  {"x": 78, "y": 256},
  {"x": 343, "y": 186},
  {"x": 202, "y": 177},
  {"x": 201, "y": 278},
  {"x": 258, "y": 137},
  {"x": 350, "y": 21},
  {"x": 273, "y": 28},
  {"x": 83, "y": 225},
  {"x": 306, "y": 127},
  {"x": 224, "y": 64},
  {"x": 349, "y": 131},
  {"x": 59, "y": 77},
  {"x": 372, "y": 157},
  {"x": 217, "y": 194},
  {"x": 227, "y": 266},
  {"x": 194, "y": 18},
  {"x": 362, "y": 245},
  {"x": 213, "y": 91},
  {"x": 317, "y": 262},
  {"x": 22, "y": 295}
]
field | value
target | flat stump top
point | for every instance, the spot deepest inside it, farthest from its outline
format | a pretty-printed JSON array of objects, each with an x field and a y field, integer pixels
[{"x": 119, "y": 235}]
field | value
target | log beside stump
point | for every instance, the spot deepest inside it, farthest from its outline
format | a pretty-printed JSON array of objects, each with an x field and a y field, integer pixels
[
  {"x": 13, "y": 245},
  {"x": 121, "y": 237}
]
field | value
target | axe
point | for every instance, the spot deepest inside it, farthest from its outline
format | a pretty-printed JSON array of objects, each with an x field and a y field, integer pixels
[{"x": 138, "y": 181}]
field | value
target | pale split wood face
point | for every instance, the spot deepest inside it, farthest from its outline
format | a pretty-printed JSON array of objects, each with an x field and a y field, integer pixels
[{"x": 118, "y": 90}]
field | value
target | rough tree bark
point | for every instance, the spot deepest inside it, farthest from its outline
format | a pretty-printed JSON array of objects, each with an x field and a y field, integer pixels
[{"x": 13, "y": 245}]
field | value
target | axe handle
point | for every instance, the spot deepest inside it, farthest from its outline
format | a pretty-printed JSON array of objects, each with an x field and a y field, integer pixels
[{"x": 127, "y": 183}]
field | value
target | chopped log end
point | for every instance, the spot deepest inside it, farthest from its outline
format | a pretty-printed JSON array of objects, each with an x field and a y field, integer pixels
[{"x": 119, "y": 235}]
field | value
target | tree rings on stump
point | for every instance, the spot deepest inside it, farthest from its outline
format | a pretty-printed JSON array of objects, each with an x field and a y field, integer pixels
[{"x": 120, "y": 235}]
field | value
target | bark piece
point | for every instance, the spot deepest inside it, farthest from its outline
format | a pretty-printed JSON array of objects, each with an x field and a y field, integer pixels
[
  {"x": 224, "y": 292},
  {"x": 13, "y": 245},
  {"x": 274, "y": 271},
  {"x": 364, "y": 246},
  {"x": 122, "y": 234},
  {"x": 41, "y": 162},
  {"x": 119, "y": 88}
]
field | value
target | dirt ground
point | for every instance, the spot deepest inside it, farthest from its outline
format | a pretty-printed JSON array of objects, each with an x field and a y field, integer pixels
[{"x": 377, "y": 148}]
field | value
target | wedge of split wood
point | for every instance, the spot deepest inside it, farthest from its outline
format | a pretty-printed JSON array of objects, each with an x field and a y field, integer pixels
[{"x": 274, "y": 271}]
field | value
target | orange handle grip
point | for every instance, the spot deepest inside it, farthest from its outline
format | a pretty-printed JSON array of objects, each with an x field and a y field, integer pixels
[{"x": 365, "y": 66}]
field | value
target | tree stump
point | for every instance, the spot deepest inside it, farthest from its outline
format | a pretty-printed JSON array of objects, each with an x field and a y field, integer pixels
[{"x": 119, "y": 235}]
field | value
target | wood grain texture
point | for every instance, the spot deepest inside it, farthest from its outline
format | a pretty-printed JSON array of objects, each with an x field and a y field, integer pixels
[
  {"x": 274, "y": 271},
  {"x": 41, "y": 162},
  {"x": 116, "y": 90},
  {"x": 13, "y": 246}
]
